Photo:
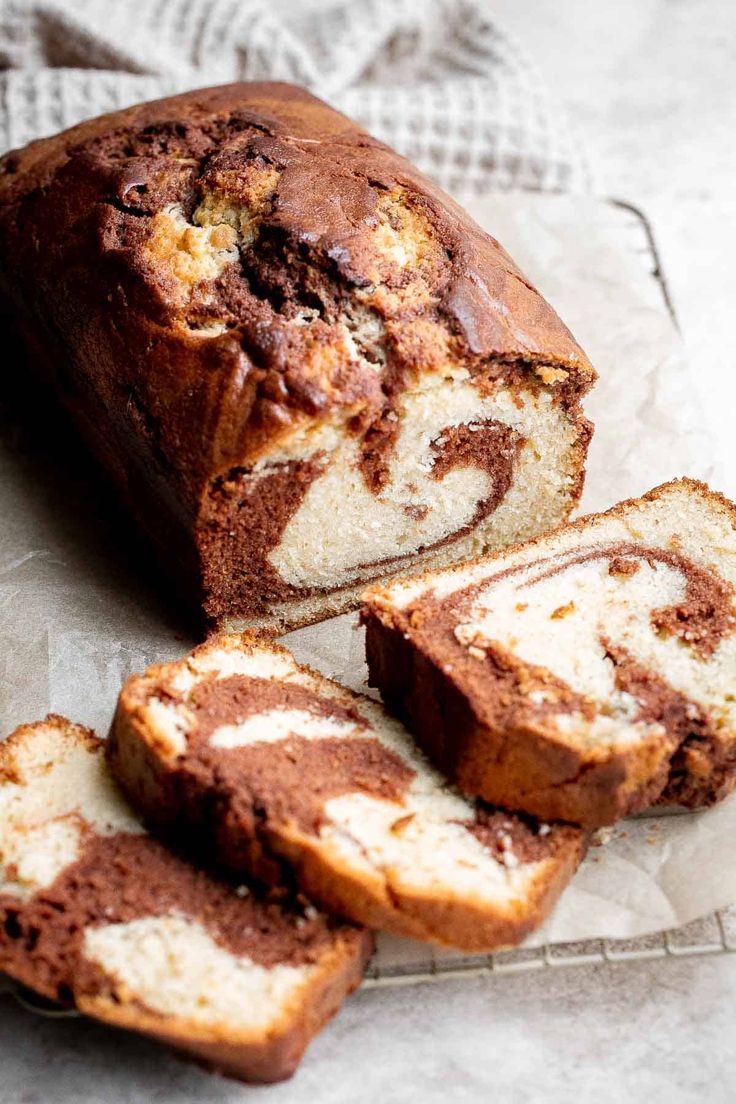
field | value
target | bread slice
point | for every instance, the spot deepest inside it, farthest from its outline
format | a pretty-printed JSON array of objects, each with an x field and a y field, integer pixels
[
  {"x": 583, "y": 675},
  {"x": 286, "y": 770},
  {"x": 96, "y": 914}
]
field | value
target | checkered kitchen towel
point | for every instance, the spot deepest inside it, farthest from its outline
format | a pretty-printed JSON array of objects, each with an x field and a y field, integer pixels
[{"x": 437, "y": 79}]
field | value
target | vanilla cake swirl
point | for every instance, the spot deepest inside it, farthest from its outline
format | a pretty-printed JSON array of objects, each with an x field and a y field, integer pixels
[
  {"x": 96, "y": 914},
  {"x": 290, "y": 775},
  {"x": 583, "y": 675}
]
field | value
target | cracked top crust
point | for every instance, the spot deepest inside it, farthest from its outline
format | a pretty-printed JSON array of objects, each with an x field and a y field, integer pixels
[{"x": 235, "y": 263}]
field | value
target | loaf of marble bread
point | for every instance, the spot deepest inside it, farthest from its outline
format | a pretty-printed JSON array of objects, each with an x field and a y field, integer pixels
[
  {"x": 96, "y": 914},
  {"x": 584, "y": 675},
  {"x": 304, "y": 365},
  {"x": 291, "y": 775}
]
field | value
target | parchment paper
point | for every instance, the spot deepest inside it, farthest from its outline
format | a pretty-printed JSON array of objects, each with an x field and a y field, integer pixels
[{"x": 80, "y": 606}]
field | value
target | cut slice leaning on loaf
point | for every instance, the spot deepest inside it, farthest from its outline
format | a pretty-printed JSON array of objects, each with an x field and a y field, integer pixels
[
  {"x": 289, "y": 772},
  {"x": 96, "y": 914},
  {"x": 584, "y": 675}
]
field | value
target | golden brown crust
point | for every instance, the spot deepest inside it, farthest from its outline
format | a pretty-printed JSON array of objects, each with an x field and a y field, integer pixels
[
  {"x": 519, "y": 764},
  {"x": 433, "y": 918},
  {"x": 273, "y": 1057},
  {"x": 117, "y": 303}
]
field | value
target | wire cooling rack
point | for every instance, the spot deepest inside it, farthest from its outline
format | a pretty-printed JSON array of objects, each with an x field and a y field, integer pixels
[{"x": 713, "y": 934}]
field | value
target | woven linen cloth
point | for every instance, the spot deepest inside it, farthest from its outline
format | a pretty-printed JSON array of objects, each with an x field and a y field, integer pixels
[{"x": 436, "y": 79}]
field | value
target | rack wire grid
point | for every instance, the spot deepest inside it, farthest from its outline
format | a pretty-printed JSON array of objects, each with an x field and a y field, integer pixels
[{"x": 713, "y": 934}]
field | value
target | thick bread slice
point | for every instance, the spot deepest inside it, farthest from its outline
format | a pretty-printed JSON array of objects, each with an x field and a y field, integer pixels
[
  {"x": 96, "y": 914},
  {"x": 583, "y": 675},
  {"x": 285, "y": 769}
]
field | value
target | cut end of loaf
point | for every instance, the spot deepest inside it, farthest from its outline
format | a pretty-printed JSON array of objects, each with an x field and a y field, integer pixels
[{"x": 467, "y": 472}]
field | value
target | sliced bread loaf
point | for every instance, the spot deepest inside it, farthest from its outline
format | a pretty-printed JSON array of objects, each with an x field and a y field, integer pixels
[
  {"x": 290, "y": 774},
  {"x": 96, "y": 914},
  {"x": 583, "y": 675},
  {"x": 301, "y": 363}
]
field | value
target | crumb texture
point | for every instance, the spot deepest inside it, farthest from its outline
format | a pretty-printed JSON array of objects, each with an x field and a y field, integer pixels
[{"x": 176, "y": 968}]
